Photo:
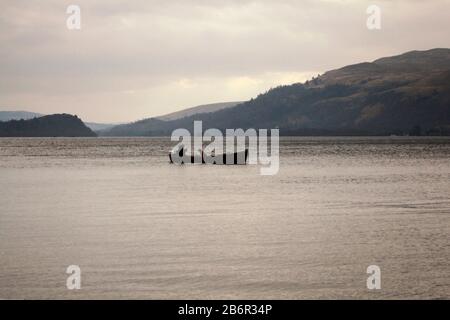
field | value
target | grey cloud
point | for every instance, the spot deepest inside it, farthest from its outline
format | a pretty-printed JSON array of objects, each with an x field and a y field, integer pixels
[{"x": 140, "y": 45}]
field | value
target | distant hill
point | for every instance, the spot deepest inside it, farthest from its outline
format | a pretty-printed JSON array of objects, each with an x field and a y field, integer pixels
[
  {"x": 94, "y": 126},
  {"x": 57, "y": 125},
  {"x": 25, "y": 115},
  {"x": 206, "y": 108},
  {"x": 405, "y": 94},
  {"x": 17, "y": 115}
]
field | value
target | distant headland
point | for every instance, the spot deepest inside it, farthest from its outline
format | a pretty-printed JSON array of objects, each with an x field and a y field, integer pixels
[{"x": 56, "y": 125}]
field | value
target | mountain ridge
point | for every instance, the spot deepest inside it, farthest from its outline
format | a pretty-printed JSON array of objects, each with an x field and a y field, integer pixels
[
  {"x": 403, "y": 94},
  {"x": 17, "y": 115},
  {"x": 204, "y": 108}
]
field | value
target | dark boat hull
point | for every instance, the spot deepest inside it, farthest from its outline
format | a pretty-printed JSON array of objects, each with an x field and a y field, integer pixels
[{"x": 237, "y": 158}]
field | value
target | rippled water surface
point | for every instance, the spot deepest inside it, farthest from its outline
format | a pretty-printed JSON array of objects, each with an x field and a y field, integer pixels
[{"x": 141, "y": 228}]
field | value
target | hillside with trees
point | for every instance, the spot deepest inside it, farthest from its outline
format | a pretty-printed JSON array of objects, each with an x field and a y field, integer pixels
[
  {"x": 405, "y": 94},
  {"x": 57, "y": 125}
]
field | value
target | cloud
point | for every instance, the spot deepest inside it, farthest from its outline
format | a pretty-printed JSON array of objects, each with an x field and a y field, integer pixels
[{"x": 141, "y": 58}]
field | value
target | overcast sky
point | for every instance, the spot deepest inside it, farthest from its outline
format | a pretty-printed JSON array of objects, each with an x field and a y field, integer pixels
[{"x": 139, "y": 58}]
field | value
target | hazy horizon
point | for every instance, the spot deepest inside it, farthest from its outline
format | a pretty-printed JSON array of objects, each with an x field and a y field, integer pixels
[{"x": 136, "y": 59}]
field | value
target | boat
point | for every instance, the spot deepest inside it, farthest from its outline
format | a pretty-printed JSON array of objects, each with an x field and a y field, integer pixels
[{"x": 236, "y": 158}]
